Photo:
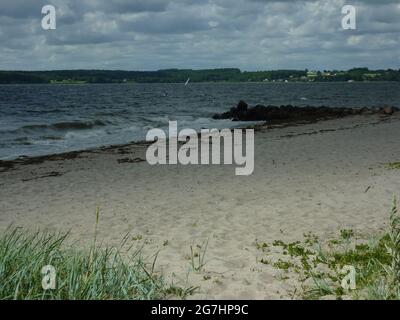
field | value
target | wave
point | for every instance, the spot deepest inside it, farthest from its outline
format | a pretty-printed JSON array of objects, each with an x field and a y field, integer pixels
[
  {"x": 55, "y": 138},
  {"x": 79, "y": 125},
  {"x": 23, "y": 141},
  {"x": 114, "y": 113},
  {"x": 45, "y": 111},
  {"x": 60, "y": 126}
]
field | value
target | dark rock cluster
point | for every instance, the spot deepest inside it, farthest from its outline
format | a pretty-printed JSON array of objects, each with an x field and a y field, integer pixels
[{"x": 289, "y": 113}]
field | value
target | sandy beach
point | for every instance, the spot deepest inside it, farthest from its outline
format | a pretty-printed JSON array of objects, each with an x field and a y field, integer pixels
[{"x": 319, "y": 177}]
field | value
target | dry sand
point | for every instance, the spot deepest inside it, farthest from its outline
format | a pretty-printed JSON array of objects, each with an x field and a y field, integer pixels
[{"x": 318, "y": 178}]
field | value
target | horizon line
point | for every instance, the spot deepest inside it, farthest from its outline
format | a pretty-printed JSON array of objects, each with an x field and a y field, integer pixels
[{"x": 203, "y": 69}]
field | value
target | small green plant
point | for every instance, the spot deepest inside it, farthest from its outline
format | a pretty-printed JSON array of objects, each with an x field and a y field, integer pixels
[
  {"x": 393, "y": 247},
  {"x": 283, "y": 265},
  {"x": 137, "y": 237},
  {"x": 180, "y": 292},
  {"x": 393, "y": 165},
  {"x": 96, "y": 225},
  {"x": 197, "y": 256},
  {"x": 376, "y": 262},
  {"x": 321, "y": 288},
  {"x": 262, "y": 246},
  {"x": 346, "y": 234}
]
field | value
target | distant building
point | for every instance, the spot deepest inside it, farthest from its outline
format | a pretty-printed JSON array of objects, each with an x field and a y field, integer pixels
[{"x": 312, "y": 75}]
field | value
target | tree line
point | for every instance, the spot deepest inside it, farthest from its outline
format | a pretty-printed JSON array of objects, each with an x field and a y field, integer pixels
[{"x": 208, "y": 75}]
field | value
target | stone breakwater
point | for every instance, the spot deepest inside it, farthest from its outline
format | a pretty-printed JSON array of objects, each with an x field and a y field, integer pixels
[{"x": 289, "y": 113}]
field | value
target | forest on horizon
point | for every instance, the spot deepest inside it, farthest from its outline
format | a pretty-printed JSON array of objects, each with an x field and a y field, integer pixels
[{"x": 206, "y": 75}]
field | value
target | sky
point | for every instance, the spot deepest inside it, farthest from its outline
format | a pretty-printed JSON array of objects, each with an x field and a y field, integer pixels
[{"x": 199, "y": 34}]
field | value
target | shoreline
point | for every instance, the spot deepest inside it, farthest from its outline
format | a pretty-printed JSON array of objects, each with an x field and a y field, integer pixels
[{"x": 26, "y": 160}]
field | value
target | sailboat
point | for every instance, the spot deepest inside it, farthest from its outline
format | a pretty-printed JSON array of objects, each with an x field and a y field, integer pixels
[{"x": 187, "y": 82}]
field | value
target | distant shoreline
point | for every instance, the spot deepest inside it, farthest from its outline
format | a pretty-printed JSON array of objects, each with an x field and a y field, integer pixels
[
  {"x": 205, "y": 75},
  {"x": 203, "y": 82}
]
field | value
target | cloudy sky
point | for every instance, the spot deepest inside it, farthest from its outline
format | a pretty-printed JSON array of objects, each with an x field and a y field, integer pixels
[{"x": 157, "y": 34}]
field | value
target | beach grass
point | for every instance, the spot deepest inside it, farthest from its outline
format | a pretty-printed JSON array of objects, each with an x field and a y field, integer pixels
[
  {"x": 393, "y": 165},
  {"x": 93, "y": 274},
  {"x": 320, "y": 267},
  {"x": 197, "y": 256}
]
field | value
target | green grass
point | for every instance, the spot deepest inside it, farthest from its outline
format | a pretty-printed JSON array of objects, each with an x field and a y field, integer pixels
[
  {"x": 393, "y": 165},
  {"x": 376, "y": 261},
  {"x": 197, "y": 256},
  {"x": 96, "y": 273}
]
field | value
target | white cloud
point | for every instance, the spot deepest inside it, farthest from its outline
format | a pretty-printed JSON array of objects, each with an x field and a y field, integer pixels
[{"x": 154, "y": 34}]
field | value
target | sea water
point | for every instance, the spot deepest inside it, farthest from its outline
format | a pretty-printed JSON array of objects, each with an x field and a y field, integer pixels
[{"x": 47, "y": 119}]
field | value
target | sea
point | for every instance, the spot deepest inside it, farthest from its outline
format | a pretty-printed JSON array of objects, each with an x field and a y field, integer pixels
[{"x": 45, "y": 119}]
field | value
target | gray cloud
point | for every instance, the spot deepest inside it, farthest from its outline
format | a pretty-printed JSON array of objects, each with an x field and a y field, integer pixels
[
  {"x": 154, "y": 34},
  {"x": 21, "y": 8}
]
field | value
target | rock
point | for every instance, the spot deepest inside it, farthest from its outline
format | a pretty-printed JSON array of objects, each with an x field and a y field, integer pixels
[
  {"x": 289, "y": 113},
  {"x": 388, "y": 110},
  {"x": 242, "y": 106},
  {"x": 364, "y": 110},
  {"x": 282, "y": 114}
]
